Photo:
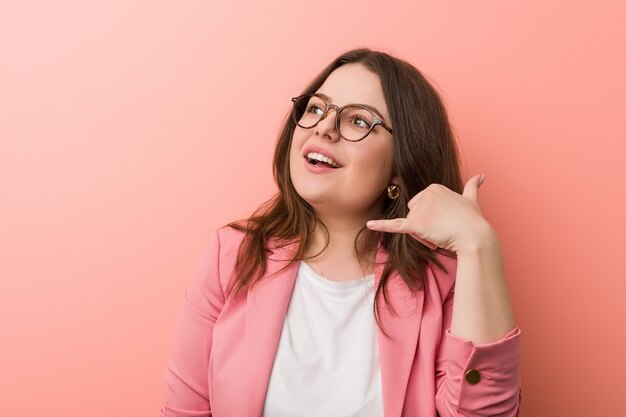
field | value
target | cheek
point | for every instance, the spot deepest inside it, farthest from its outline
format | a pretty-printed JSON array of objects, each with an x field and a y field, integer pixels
[
  {"x": 376, "y": 165},
  {"x": 295, "y": 158},
  {"x": 296, "y": 146}
]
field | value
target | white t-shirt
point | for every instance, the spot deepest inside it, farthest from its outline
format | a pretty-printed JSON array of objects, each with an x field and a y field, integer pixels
[{"x": 327, "y": 363}]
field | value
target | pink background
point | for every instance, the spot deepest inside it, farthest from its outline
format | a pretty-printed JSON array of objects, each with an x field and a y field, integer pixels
[{"x": 124, "y": 143}]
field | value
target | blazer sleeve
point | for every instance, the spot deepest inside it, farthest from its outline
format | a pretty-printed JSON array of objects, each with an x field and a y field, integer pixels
[
  {"x": 186, "y": 375},
  {"x": 492, "y": 387}
]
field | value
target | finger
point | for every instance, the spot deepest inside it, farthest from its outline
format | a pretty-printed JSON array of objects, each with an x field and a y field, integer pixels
[
  {"x": 415, "y": 198},
  {"x": 398, "y": 225},
  {"x": 471, "y": 188},
  {"x": 425, "y": 242}
]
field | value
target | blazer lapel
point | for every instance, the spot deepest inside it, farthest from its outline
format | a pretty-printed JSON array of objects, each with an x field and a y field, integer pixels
[
  {"x": 266, "y": 307},
  {"x": 396, "y": 356}
]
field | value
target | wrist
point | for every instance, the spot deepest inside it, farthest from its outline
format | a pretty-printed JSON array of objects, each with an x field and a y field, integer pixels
[{"x": 484, "y": 239}]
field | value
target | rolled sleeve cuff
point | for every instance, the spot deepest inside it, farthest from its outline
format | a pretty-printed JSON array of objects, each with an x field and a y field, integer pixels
[{"x": 484, "y": 379}]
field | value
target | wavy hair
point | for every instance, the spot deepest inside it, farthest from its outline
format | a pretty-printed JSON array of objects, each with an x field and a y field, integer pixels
[{"x": 425, "y": 152}]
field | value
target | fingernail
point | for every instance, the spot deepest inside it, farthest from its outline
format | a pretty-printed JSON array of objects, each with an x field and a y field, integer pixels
[{"x": 481, "y": 180}]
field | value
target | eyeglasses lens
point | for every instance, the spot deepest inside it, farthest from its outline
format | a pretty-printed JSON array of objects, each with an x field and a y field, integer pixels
[{"x": 354, "y": 121}]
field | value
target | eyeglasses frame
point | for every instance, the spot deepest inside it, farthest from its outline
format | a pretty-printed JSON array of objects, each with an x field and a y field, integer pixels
[{"x": 375, "y": 120}]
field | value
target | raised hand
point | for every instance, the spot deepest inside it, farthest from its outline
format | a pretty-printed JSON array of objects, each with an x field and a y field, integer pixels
[{"x": 440, "y": 217}]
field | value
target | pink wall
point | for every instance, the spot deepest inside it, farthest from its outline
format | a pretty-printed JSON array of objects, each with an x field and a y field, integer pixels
[{"x": 123, "y": 145}]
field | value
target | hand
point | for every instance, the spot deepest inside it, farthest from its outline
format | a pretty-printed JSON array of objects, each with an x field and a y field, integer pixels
[{"x": 440, "y": 217}]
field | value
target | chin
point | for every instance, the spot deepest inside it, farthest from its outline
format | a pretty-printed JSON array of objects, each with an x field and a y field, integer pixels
[{"x": 313, "y": 198}]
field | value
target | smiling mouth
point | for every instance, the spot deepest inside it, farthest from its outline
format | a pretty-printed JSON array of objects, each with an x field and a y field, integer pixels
[{"x": 315, "y": 158}]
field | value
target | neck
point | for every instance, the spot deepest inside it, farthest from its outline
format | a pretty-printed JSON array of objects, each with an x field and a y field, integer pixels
[
  {"x": 336, "y": 257},
  {"x": 342, "y": 233}
]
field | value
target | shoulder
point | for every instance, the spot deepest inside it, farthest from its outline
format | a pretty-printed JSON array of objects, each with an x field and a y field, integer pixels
[
  {"x": 224, "y": 242},
  {"x": 220, "y": 255},
  {"x": 227, "y": 237}
]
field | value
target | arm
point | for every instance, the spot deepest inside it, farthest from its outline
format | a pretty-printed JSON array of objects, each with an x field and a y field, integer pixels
[
  {"x": 482, "y": 310},
  {"x": 479, "y": 332},
  {"x": 481, "y": 342},
  {"x": 497, "y": 393},
  {"x": 186, "y": 376}
]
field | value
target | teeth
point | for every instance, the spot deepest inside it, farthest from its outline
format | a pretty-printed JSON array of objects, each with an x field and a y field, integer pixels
[{"x": 320, "y": 157}]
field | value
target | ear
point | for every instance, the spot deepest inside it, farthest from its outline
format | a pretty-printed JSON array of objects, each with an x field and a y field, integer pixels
[{"x": 394, "y": 180}]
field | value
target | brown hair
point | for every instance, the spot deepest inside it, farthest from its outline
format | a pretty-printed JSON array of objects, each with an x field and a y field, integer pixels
[{"x": 425, "y": 152}]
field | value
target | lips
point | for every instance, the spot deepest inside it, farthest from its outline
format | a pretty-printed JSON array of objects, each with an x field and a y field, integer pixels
[
  {"x": 316, "y": 153},
  {"x": 317, "y": 158}
]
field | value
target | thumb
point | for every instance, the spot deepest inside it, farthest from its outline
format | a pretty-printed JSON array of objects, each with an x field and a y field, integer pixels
[{"x": 471, "y": 187}]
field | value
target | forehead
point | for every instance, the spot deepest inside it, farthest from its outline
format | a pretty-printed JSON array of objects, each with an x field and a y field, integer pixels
[{"x": 355, "y": 84}]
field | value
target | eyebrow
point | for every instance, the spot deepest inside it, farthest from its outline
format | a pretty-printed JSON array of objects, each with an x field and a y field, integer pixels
[{"x": 372, "y": 108}]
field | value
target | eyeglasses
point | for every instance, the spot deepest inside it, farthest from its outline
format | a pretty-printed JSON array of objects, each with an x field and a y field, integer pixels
[{"x": 353, "y": 122}]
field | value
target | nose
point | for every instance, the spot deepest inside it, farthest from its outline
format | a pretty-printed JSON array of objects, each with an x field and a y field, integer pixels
[{"x": 327, "y": 126}]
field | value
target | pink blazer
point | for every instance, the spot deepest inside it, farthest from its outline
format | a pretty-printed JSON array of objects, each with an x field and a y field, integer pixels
[{"x": 224, "y": 349}]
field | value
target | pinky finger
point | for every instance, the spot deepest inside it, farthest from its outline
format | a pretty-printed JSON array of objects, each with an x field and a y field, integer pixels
[{"x": 391, "y": 226}]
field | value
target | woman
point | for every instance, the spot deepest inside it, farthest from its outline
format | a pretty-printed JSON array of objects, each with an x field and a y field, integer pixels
[{"x": 370, "y": 285}]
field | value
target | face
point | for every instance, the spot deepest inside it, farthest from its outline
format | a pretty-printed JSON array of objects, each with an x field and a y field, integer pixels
[{"x": 356, "y": 187}]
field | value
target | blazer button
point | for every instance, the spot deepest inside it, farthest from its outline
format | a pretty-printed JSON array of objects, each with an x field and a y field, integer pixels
[{"x": 472, "y": 376}]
